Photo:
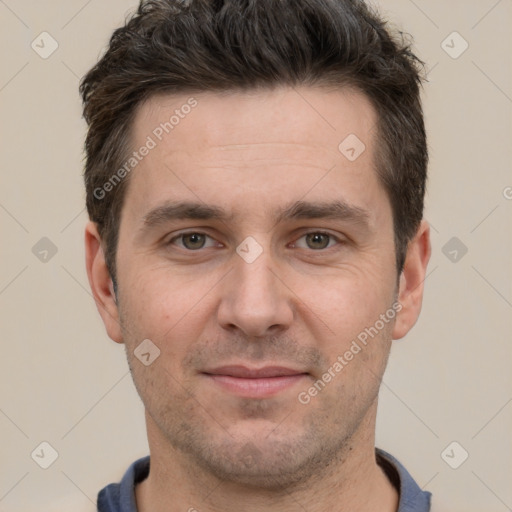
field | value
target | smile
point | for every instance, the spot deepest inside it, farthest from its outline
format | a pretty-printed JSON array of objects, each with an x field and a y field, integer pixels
[{"x": 255, "y": 383}]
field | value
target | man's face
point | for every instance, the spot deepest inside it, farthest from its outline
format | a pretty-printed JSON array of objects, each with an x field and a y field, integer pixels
[{"x": 244, "y": 334}]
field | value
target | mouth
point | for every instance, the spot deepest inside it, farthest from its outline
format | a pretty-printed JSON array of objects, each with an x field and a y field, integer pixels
[{"x": 254, "y": 382}]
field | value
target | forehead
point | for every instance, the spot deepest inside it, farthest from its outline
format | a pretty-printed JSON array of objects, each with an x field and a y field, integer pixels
[
  {"x": 243, "y": 148},
  {"x": 318, "y": 115}
]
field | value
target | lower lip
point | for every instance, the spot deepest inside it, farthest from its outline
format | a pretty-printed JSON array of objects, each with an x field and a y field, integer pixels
[{"x": 256, "y": 388}]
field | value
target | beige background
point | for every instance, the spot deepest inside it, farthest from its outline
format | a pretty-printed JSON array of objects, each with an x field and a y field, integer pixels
[{"x": 64, "y": 382}]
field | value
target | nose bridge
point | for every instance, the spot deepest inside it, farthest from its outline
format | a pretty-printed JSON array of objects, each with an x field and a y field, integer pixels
[{"x": 254, "y": 299}]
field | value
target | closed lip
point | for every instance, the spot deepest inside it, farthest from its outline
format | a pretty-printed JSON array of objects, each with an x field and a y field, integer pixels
[{"x": 243, "y": 372}]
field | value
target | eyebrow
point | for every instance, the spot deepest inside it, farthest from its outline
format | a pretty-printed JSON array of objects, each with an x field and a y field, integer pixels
[
  {"x": 183, "y": 210},
  {"x": 335, "y": 210}
]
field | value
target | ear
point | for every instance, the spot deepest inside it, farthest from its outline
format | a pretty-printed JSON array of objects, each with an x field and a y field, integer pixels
[
  {"x": 410, "y": 294},
  {"x": 101, "y": 283}
]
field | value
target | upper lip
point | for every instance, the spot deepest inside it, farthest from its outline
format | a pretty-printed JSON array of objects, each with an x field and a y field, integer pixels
[{"x": 243, "y": 372}]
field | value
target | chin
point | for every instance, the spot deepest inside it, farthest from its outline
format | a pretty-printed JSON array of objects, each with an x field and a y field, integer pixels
[{"x": 262, "y": 462}]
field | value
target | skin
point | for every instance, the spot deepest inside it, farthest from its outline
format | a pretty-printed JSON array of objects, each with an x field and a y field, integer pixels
[{"x": 299, "y": 304}]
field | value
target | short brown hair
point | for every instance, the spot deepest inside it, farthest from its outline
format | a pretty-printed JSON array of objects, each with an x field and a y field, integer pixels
[{"x": 176, "y": 46}]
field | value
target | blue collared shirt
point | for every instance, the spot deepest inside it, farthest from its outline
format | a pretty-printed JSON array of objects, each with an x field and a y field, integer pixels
[{"x": 121, "y": 497}]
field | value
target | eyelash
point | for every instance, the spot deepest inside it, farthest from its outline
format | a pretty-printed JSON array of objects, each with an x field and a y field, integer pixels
[
  {"x": 325, "y": 233},
  {"x": 181, "y": 235}
]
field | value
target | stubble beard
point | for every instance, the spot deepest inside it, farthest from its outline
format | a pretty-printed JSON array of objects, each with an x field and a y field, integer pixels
[
  {"x": 302, "y": 448},
  {"x": 306, "y": 443}
]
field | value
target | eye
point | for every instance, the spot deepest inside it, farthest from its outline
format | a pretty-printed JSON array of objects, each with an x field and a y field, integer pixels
[
  {"x": 316, "y": 240},
  {"x": 192, "y": 241}
]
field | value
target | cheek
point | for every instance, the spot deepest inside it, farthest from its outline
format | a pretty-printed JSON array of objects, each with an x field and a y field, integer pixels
[
  {"x": 347, "y": 301},
  {"x": 165, "y": 306}
]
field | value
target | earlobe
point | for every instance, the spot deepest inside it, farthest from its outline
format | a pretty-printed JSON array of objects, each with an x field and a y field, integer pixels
[
  {"x": 410, "y": 294},
  {"x": 101, "y": 284}
]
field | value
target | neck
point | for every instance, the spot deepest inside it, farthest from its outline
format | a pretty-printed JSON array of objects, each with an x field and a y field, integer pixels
[{"x": 352, "y": 482}]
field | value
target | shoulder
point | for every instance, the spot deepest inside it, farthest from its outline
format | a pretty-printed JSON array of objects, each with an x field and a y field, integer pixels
[
  {"x": 120, "y": 497},
  {"x": 412, "y": 497}
]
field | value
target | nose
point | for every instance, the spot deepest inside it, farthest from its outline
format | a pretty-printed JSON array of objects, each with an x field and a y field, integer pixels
[{"x": 255, "y": 299}]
